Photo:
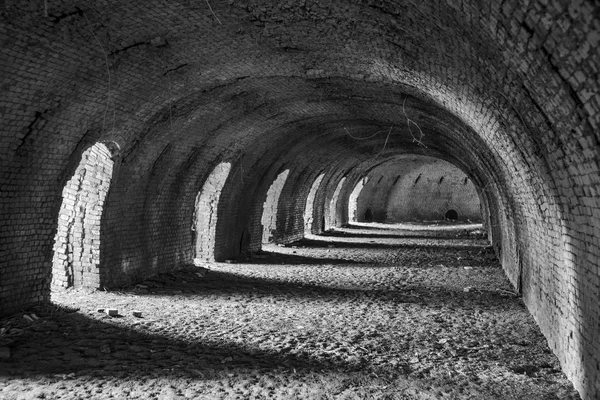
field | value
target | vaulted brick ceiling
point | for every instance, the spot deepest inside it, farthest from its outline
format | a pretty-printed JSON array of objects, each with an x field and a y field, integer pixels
[
  {"x": 509, "y": 91},
  {"x": 476, "y": 84}
]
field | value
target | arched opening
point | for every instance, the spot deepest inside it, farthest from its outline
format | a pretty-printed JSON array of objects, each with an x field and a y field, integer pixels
[
  {"x": 333, "y": 205},
  {"x": 353, "y": 199},
  {"x": 76, "y": 258},
  {"x": 244, "y": 240},
  {"x": 310, "y": 202},
  {"x": 368, "y": 215},
  {"x": 206, "y": 212},
  {"x": 269, "y": 217},
  {"x": 427, "y": 188},
  {"x": 507, "y": 91},
  {"x": 451, "y": 215}
]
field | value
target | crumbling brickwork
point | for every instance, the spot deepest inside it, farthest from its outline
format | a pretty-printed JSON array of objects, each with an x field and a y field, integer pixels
[
  {"x": 76, "y": 258},
  {"x": 507, "y": 91}
]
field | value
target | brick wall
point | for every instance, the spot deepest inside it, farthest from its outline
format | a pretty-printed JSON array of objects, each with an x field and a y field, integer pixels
[
  {"x": 292, "y": 203},
  {"x": 507, "y": 91},
  {"x": 418, "y": 189}
]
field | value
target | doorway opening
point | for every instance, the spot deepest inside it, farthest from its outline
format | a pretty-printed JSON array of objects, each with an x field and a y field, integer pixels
[
  {"x": 353, "y": 200},
  {"x": 368, "y": 215},
  {"x": 76, "y": 258},
  {"x": 310, "y": 202},
  {"x": 244, "y": 241},
  {"x": 269, "y": 217},
  {"x": 206, "y": 212},
  {"x": 334, "y": 217}
]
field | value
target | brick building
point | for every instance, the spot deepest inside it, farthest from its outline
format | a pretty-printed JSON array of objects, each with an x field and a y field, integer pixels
[{"x": 137, "y": 136}]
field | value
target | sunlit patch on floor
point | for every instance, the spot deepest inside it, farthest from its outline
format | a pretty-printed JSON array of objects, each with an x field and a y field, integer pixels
[{"x": 360, "y": 312}]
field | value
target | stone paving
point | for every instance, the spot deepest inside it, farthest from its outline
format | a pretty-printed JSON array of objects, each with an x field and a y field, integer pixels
[{"x": 358, "y": 313}]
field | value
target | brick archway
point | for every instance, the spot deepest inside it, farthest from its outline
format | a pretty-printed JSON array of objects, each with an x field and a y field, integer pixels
[
  {"x": 310, "y": 201},
  {"x": 76, "y": 259},
  {"x": 353, "y": 201},
  {"x": 270, "y": 207},
  {"x": 206, "y": 213},
  {"x": 334, "y": 219}
]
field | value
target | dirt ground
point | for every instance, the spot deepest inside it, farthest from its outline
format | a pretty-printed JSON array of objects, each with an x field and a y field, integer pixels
[{"x": 366, "y": 312}]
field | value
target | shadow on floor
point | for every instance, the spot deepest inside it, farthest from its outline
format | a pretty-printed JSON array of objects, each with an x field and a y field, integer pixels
[
  {"x": 411, "y": 235},
  {"x": 475, "y": 245},
  {"x": 74, "y": 343},
  {"x": 400, "y": 234},
  {"x": 422, "y": 225},
  {"x": 267, "y": 257},
  {"x": 222, "y": 283},
  {"x": 73, "y": 349}
]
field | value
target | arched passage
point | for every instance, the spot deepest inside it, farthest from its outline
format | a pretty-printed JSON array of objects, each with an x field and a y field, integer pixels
[
  {"x": 353, "y": 201},
  {"x": 368, "y": 215},
  {"x": 270, "y": 206},
  {"x": 506, "y": 90},
  {"x": 76, "y": 258},
  {"x": 310, "y": 201},
  {"x": 334, "y": 219},
  {"x": 417, "y": 188},
  {"x": 206, "y": 212}
]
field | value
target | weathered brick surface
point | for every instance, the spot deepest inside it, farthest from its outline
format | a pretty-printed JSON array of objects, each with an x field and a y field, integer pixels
[
  {"x": 353, "y": 214},
  {"x": 206, "y": 213},
  {"x": 417, "y": 188},
  {"x": 76, "y": 258},
  {"x": 309, "y": 212},
  {"x": 508, "y": 91},
  {"x": 334, "y": 217},
  {"x": 270, "y": 208}
]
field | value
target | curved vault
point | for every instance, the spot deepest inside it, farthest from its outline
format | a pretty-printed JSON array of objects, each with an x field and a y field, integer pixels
[
  {"x": 415, "y": 188},
  {"x": 508, "y": 92}
]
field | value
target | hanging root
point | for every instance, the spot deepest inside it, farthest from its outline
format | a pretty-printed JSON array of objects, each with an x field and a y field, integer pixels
[
  {"x": 213, "y": 13},
  {"x": 361, "y": 138},
  {"x": 410, "y": 121},
  {"x": 372, "y": 136},
  {"x": 484, "y": 188},
  {"x": 385, "y": 143}
]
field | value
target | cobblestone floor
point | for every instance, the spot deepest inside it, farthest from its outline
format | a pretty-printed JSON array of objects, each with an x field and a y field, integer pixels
[{"x": 369, "y": 312}]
